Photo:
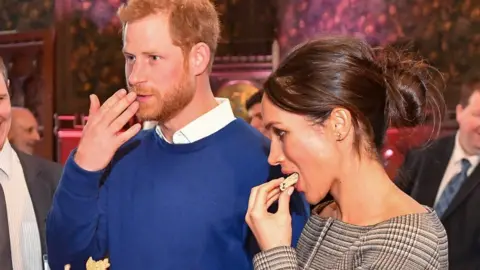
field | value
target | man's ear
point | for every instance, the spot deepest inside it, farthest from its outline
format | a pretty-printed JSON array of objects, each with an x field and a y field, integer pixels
[
  {"x": 199, "y": 58},
  {"x": 458, "y": 111}
]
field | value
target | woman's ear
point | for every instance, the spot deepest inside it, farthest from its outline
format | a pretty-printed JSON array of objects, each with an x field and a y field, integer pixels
[{"x": 341, "y": 123}]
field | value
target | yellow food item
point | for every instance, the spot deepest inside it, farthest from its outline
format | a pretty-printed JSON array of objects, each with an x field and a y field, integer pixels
[
  {"x": 94, "y": 265},
  {"x": 97, "y": 265}
]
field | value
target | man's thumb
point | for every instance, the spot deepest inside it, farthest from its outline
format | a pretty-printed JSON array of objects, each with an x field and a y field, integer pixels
[{"x": 94, "y": 104}]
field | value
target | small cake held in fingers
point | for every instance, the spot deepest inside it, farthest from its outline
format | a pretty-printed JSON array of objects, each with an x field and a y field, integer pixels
[{"x": 289, "y": 181}]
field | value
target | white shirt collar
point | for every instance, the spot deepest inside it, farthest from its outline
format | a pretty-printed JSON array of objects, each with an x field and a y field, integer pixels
[
  {"x": 6, "y": 158},
  {"x": 459, "y": 154},
  {"x": 205, "y": 125}
]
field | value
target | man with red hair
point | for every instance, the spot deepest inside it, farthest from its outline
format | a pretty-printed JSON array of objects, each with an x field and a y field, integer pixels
[{"x": 173, "y": 197}]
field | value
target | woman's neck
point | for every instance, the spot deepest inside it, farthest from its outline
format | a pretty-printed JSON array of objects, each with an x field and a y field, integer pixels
[{"x": 362, "y": 193}]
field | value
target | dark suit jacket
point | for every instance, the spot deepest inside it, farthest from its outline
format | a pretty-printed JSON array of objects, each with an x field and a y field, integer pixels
[
  {"x": 42, "y": 178},
  {"x": 420, "y": 177}
]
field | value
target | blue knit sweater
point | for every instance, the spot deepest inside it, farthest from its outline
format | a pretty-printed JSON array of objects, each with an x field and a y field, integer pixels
[{"x": 165, "y": 206}]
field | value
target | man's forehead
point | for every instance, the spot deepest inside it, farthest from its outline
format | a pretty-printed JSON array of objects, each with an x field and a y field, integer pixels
[
  {"x": 25, "y": 124},
  {"x": 146, "y": 43},
  {"x": 22, "y": 112},
  {"x": 157, "y": 22}
]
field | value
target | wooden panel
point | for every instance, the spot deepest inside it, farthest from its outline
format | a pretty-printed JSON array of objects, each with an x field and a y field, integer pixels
[
  {"x": 89, "y": 57},
  {"x": 36, "y": 46}
]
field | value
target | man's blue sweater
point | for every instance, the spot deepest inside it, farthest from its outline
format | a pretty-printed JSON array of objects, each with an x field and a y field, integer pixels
[{"x": 165, "y": 206}]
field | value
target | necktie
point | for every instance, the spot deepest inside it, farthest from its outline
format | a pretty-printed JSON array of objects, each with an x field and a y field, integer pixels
[
  {"x": 5, "y": 252},
  {"x": 452, "y": 188}
]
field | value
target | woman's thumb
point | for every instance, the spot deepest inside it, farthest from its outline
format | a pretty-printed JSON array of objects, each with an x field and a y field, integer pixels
[{"x": 284, "y": 200}]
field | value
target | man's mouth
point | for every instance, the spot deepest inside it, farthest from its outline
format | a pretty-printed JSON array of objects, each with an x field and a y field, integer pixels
[{"x": 143, "y": 98}]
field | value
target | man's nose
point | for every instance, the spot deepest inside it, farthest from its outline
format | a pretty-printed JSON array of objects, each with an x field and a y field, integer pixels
[
  {"x": 35, "y": 135},
  {"x": 136, "y": 75}
]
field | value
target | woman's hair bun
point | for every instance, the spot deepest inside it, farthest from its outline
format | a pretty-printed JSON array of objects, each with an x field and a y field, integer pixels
[{"x": 414, "y": 89}]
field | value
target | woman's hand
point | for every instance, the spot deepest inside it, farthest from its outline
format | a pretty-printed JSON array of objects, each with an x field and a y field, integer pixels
[{"x": 270, "y": 230}]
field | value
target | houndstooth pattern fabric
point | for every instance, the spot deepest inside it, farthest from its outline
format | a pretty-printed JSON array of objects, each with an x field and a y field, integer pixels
[{"x": 413, "y": 242}]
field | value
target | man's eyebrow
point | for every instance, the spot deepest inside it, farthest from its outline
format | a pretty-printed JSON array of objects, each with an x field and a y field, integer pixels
[{"x": 151, "y": 53}]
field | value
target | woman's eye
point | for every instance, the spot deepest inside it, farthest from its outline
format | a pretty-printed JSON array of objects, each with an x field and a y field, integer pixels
[{"x": 278, "y": 132}]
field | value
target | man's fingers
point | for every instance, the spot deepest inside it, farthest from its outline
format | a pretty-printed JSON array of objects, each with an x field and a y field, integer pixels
[
  {"x": 123, "y": 137},
  {"x": 94, "y": 104},
  {"x": 118, "y": 108},
  {"x": 123, "y": 119},
  {"x": 111, "y": 101}
]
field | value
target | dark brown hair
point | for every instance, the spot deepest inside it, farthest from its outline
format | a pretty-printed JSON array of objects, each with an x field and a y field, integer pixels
[
  {"x": 471, "y": 85},
  {"x": 380, "y": 87},
  {"x": 254, "y": 99}
]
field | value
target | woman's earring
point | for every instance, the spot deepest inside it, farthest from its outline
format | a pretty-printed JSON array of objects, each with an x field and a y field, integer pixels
[{"x": 339, "y": 136}]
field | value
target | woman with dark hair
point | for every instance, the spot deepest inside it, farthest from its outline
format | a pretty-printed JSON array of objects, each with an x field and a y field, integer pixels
[{"x": 328, "y": 106}]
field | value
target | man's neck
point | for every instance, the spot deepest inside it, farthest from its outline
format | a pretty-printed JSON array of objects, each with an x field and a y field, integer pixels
[
  {"x": 462, "y": 141},
  {"x": 2, "y": 144},
  {"x": 199, "y": 106}
]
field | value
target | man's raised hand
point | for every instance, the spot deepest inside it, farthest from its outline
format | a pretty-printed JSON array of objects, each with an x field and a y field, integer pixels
[{"x": 101, "y": 136}]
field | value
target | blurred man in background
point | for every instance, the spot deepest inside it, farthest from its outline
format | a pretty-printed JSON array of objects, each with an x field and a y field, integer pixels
[
  {"x": 446, "y": 176},
  {"x": 27, "y": 184},
  {"x": 254, "y": 110},
  {"x": 24, "y": 130}
]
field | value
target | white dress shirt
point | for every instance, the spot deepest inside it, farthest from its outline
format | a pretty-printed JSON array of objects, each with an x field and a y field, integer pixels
[
  {"x": 454, "y": 166},
  {"x": 22, "y": 224},
  {"x": 205, "y": 125}
]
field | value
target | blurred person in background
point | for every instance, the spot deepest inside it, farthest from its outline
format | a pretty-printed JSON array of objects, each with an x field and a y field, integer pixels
[
  {"x": 27, "y": 185},
  {"x": 254, "y": 110},
  {"x": 445, "y": 175},
  {"x": 24, "y": 133}
]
